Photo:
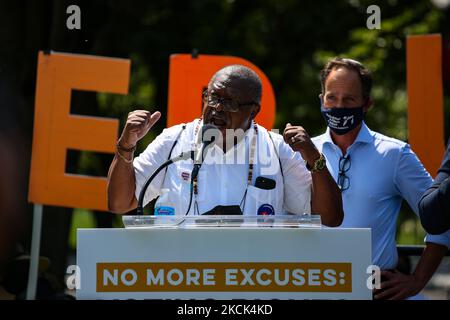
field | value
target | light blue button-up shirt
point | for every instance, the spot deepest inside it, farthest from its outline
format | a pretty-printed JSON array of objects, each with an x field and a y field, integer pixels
[{"x": 383, "y": 171}]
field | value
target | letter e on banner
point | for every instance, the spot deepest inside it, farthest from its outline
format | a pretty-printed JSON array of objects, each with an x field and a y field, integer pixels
[{"x": 56, "y": 130}]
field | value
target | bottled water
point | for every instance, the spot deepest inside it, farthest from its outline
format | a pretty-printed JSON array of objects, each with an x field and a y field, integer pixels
[{"x": 164, "y": 205}]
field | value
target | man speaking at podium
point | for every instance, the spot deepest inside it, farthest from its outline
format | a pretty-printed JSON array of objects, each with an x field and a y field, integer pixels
[{"x": 257, "y": 173}]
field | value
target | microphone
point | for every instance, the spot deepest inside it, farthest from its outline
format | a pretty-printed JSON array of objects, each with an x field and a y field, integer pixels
[
  {"x": 199, "y": 156},
  {"x": 205, "y": 143}
]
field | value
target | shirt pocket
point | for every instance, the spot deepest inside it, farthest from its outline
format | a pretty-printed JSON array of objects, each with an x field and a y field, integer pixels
[
  {"x": 179, "y": 183},
  {"x": 183, "y": 175},
  {"x": 261, "y": 202},
  {"x": 184, "y": 172}
]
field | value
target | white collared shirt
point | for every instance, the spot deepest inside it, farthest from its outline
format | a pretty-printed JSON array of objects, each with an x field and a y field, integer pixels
[
  {"x": 382, "y": 172},
  {"x": 222, "y": 181}
]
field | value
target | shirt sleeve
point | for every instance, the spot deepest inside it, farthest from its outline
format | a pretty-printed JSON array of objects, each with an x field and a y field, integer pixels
[
  {"x": 444, "y": 169},
  {"x": 434, "y": 208},
  {"x": 442, "y": 239},
  {"x": 412, "y": 180},
  {"x": 156, "y": 153},
  {"x": 297, "y": 181}
]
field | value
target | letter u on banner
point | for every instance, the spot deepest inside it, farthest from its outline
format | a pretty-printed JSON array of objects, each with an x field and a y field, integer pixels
[
  {"x": 188, "y": 76},
  {"x": 56, "y": 130}
]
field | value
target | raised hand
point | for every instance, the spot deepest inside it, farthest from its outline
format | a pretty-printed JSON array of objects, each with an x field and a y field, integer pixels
[
  {"x": 138, "y": 124},
  {"x": 298, "y": 139}
]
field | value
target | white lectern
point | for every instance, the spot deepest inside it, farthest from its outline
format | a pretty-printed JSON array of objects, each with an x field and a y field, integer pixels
[{"x": 223, "y": 257}]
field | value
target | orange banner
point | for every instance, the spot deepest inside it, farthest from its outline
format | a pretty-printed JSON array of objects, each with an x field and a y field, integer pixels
[{"x": 425, "y": 99}]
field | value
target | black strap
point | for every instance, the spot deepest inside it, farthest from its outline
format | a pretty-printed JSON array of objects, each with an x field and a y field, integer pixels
[
  {"x": 278, "y": 156},
  {"x": 175, "y": 142},
  {"x": 171, "y": 149}
]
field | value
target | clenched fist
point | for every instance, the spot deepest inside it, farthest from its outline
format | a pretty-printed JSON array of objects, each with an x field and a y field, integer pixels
[
  {"x": 298, "y": 139},
  {"x": 137, "y": 125}
]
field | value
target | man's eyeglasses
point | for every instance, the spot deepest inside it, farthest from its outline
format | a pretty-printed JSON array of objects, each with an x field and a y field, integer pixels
[
  {"x": 229, "y": 105},
  {"x": 344, "y": 165}
]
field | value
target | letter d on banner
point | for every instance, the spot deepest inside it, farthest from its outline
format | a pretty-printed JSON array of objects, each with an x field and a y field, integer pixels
[
  {"x": 56, "y": 130},
  {"x": 188, "y": 76}
]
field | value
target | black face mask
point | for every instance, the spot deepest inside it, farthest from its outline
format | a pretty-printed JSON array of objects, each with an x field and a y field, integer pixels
[{"x": 342, "y": 120}]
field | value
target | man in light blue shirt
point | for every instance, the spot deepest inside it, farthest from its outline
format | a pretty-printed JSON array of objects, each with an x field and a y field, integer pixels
[{"x": 375, "y": 173}]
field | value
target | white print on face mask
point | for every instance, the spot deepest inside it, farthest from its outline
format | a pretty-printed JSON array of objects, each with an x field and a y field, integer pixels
[
  {"x": 348, "y": 118},
  {"x": 333, "y": 121}
]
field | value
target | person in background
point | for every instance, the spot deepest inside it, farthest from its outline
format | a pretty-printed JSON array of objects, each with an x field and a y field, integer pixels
[
  {"x": 434, "y": 206},
  {"x": 375, "y": 174}
]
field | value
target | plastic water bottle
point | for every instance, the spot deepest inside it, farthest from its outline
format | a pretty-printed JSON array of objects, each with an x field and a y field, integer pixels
[{"x": 164, "y": 205}]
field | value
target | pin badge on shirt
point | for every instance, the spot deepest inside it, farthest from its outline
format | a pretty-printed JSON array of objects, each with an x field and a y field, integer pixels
[
  {"x": 266, "y": 210},
  {"x": 185, "y": 176}
]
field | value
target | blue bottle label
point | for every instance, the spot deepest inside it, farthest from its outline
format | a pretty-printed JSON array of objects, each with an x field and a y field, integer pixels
[{"x": 164, "y": 211}]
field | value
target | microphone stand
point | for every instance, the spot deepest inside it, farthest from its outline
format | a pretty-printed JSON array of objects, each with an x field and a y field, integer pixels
[
  {"x": 182, "y": 156},
  {"x": 195, "y": 170}
]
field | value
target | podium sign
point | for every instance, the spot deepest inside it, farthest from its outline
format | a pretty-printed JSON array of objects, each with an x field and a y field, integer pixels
[{"x": 224, "y": 263}]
